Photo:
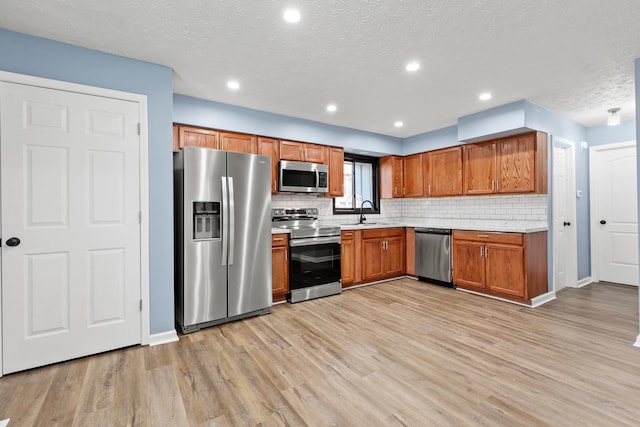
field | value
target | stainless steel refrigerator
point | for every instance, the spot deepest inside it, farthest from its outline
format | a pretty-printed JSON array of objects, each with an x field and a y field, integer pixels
[{"x": 222, "y": 236}]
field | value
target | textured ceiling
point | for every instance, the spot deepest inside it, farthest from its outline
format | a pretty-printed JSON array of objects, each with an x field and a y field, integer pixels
[{"x": 574, "y": 57}]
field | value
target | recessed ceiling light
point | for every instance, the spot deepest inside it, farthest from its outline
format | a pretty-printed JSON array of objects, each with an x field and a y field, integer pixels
[
  {"x": 413, "y": 66},
  {"x": 484, "y": 96},
  {"x": 291, "y": 15},
  {"x": 331, "y": 108},
  {"x": 398, "y": 124},
  {"x": 232, "y": 84}
]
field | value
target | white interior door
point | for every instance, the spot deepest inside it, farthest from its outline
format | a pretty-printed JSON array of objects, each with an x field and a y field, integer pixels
[
  {"x": 614, "y": 216},
  {"x": 71, "y": 194},
  {"x": 565, "y": 245}
]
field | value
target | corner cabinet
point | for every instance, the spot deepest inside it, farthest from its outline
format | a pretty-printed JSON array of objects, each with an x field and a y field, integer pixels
[
  {"x": 280, "y": 266},
  {"x": 391, "y": 177},
  {"x": 512, "y": 165},
  {"x": 507, "y": 265}
]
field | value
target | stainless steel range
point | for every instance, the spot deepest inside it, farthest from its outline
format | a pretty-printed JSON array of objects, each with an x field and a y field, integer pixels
[{"x": 314, "y": 261}]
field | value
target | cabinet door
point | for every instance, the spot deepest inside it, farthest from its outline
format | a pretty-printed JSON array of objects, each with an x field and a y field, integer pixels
[
  {"x": 348, "y": 261},
  {"x": 279, "y": 266},
  {"x": 410, "y": 258},
  {"x": 270, "y": 147},
  {"x": 516, "y": 165},
  {"x": 314, "y": 153},
  {"x": 505, "y": 269},
  {"x": 445, "y": 170},
  {"x": 197, "y": 137},
  {"x": 291, "y": 150},
  {"x": 336, "y": 172},
  {"x": 394, "y": 256},
  {"x": 479, "y": 168},
  {"x": 239, "y": 142},
  {"x": 391, "y": 176},
  {"x": 373, "y": 268},
  {"x": 176, "y": 138},
  {"x": 468, "y": 264},
  {"x": 413, "y": 176}
]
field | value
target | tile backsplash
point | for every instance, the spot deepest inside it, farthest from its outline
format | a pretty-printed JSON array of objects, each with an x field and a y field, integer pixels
[{"x": 518, "y": 207}]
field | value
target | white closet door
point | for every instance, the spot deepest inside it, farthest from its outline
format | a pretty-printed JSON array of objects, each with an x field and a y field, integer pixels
[{"x": 70, "y": 193}]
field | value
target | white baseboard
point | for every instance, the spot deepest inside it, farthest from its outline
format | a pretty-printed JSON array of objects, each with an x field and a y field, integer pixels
[
  {"x": 584, "y": 282},
  {"x": 163, "y": 338},
  {"x": 543, "y": 299},
  {"x": 637, "y": 343}
]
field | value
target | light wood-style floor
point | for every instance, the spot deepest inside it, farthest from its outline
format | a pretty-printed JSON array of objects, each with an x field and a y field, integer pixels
[{"x": 397, "y": 353}]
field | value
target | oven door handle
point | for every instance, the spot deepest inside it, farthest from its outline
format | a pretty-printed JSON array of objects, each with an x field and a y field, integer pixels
[{"x": 310, "y": 241}]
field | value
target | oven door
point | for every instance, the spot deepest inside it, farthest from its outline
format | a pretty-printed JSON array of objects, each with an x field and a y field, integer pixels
[{"x": 314, "y": 261}]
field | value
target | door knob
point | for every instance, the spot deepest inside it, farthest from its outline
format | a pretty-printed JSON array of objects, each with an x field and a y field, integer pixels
[
  {"x": 567, "y": 223},
  {"x": 603, "y": 222},
  {"x": 14, "y": 241}
]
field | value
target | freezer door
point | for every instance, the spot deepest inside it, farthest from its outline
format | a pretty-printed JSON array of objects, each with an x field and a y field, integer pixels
[
  {"x": 204, "y": 288},
  {"x": 249, "y": 178}
]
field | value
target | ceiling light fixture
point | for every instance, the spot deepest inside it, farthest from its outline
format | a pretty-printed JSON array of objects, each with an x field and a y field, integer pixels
[
  {"x": 413, "y": 66},
  {"x": 232, "y": 84},
  {"x": 613, "y": 118},
  {"x": 291, "y": 15},
  {"x": 484, "y": 96},
  {"x": 398, "y": 124},
  {"x": 331, "y": 108}
]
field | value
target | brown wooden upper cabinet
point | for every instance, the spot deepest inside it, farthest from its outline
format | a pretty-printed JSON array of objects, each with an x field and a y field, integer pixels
[
  {"x": 516, "y": 164},
  {"x": 336, "y": 172},
  {"x": 443, "y": 172},
  {"x": 302, "y": 152},
  {"x": 412, "y": 171},
  {"x": 239, "y": 142},
  {"x": 190, "y": 136},
  {"x": 391, "y": 177},
  {"x": 270, "y": 147}
]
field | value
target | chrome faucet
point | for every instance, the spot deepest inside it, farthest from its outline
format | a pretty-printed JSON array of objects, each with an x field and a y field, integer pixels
[{"x": 362, "y": 218}]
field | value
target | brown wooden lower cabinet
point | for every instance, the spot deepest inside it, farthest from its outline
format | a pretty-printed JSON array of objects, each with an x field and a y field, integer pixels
[
  {"x": 506, "y": 265},
  {"x": 382, "y": 253},
  {"x": 410, "y": 257},
  {"x": 348, "y": 258},
  {"x": 280, "y": 266}
]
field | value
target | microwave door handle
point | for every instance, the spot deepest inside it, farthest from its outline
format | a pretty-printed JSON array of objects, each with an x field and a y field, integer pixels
[
  {"x": 317, "y": 179},
  {"x": 225, "y": 215}
]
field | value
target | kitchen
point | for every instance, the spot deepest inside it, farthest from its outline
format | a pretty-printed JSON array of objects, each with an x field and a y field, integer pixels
[{"x": 24, "y": 54}]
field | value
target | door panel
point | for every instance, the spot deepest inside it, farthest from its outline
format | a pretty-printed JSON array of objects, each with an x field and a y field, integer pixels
[
  {"x": 615, "y": 202},
  {"x": 250, "y": 235},
  {"x": 468, "y": 264},
  {"x": 516, "y": 165},
  {"x": 70, "y": 173},
  {"x": 479, "y": 168},
  {"x": 505, "y": 268}
]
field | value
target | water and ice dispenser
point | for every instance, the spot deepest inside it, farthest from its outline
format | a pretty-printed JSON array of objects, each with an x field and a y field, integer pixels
[{"x": 206, "y": 220}]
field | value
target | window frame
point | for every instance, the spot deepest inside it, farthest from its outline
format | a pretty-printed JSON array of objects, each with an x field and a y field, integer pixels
[{"x": 375, "y": 171}]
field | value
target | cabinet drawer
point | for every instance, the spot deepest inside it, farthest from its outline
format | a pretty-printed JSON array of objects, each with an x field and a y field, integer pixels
[
  {"x": 492, "y": 237},
  {"x": 279, "y": 239},
  {"x": 382, "y": 232},
  {"x": 348, "y": 235}
]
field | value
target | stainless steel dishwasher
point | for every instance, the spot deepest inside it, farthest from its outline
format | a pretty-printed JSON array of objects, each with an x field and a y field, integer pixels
[{"x": 433, "y": 256}]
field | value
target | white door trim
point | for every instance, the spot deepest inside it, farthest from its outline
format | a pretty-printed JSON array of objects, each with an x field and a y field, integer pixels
[
  {"x": 572, "y": 257},
  {"x": 144, "y": 177},
  {"x": 595, "y": 241}
]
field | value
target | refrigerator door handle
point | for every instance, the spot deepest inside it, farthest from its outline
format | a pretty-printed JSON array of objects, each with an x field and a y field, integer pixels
[
  {"x": 232, "y": 215},
  {"x": 225, "y": 215}
]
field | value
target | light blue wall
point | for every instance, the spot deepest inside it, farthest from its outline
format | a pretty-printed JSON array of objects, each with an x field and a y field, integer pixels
[
  {"x": 34, "y": 56},
  {"x": 194, "y": 111},
  {"x": 441, "y": 138},
  {"x": 495, "y": 122},
  {"x": 601, "y": 135}
]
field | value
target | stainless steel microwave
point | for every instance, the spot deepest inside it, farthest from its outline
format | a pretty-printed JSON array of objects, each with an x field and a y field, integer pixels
[{"x": 303, "y": 177}]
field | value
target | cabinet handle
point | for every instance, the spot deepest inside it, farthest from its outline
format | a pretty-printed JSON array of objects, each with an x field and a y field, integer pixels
[
  {"x": 493, "y": 185},
  {"x": 286, "y": 255},
  {"x": 481, "y": 248},
  {"x": 404, "y": 191},
  {"x": 429, "y": 188},
  {"x": 342, "y": 248},
  {"x": 484, "y": 236},
  {"x": 497, "y": 185}
]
